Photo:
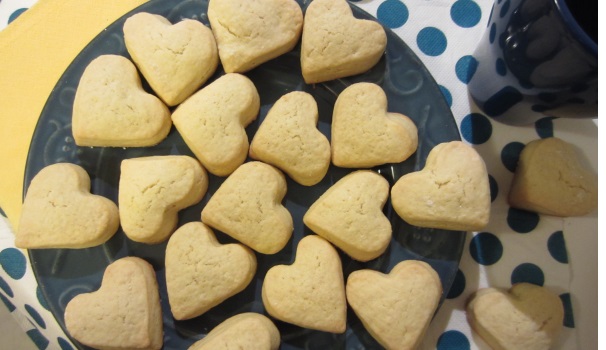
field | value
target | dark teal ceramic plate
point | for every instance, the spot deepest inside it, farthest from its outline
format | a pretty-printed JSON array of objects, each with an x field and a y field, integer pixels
[{"x": 410, "y": 89}]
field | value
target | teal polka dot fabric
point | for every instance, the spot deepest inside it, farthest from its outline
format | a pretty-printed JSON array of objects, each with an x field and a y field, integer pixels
[
  {"x": 517, "y": 246},
  {"x": 23, "y": 298}
]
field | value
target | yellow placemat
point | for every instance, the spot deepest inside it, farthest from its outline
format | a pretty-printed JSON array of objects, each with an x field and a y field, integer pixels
[{"x": 35, "y": 50}]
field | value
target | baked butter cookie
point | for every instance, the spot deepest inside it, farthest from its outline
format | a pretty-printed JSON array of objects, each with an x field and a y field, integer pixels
[
  {"x": 310, "y": 293},
  {"x": 124, "y": 313},
  {"x": 111, "y": 109},
  {"x": 251, "y": 32},
  {"x": 350, "y": 215},
  {"x": 151, "y": 192},
  {"x": 550, "y": 179},
  {"x": 248, "y": 330},
  {"x": 335, "y": 44},
  {"x": 289, "y": 140},
  {"x": 201, "y": 273},
  {"x": 175, "y": 59},
  {"x": 212, "y": 122},
  {"x": 451, "y": 192},
  {"x": 396, "y": 308},
  {"x": 364, "y": 134},
  {"x": 247, "y": 206},
  {"x": 60, "y": 212},
  {"x": 527, "y": 317}
]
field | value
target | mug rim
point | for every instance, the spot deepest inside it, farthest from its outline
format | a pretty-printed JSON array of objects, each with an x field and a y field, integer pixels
[{"x": 576, "y": 28}]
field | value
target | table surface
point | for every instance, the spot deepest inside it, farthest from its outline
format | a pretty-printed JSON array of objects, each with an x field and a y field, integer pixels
[{"x": 443, "y": 34}]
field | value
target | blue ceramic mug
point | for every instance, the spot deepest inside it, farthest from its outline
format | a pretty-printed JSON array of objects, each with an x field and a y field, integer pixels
[{"x": 538, "y": 58}]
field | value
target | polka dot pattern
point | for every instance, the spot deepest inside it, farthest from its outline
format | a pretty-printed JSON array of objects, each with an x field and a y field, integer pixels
[
  {"x": 458, "y": 285},
  {"x": 501, "y": 67},
  {"x": 528, "y": 273},
  {"x": 493, "y": 33},
  {"x": 511, "y": 154},
  {"x": 35, "y": 316},
  {"x": 499, "y": 103},
  {"x": 38, "y": 338},
  {"x": 557, "y": 247},
  {"x": 64, "y": 344},
  {"x": 494, "y": 188},
  {"x": 568, "y": 312},
  {"x": 13, "y": 262},
  {"x": 431, "y": 41},
  {"x": 476, "y": 128},
  {"x": 7, "y": 303},
  {"x": 41, "y": 298},
  {"x": 465, "y": 13},
  {"x": 544, "y": 127},
  {"x": 447, "y": 95},
  {"x": 522, "y": 221},
  {"x": 486, "y": 248},
  {"x": 465, "y": 68},
  {"x": 6, "y": 288},
  {"x": 392, "y": 13},
  {"x": 504, "y": 8},
  {"x": 453, "y": 340},
  {"x": 16, "y": 14}
]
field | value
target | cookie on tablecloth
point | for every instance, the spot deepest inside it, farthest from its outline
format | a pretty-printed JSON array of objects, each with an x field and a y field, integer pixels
[
  {"x": 551, "y": 179},
  {"x": 527, "y": 317}
]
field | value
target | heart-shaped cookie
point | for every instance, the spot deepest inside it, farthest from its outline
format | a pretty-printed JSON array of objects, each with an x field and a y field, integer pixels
[
  {"x": 124, "y": 313},
  {"x": 396, "y": 308},
  {"x": 335, "y": 44},
  {"x": 60, "y": 212},
  {"x": 527, "y": 317},
  {"x": 112, "y": 109},
  {"x": 151, "y": 192},
  {"x": 451, "y": 192},
  {"x": 550, "y": 179},
  {"x": 174, "y": 59},
  {"x": 201, "y": 273},
  {"x": 248, "y": 330},
  {"x": 350, "y": 215},
  {"x": 251, "y": 32},
  {"x": 288, "y": 139},
  {"x": 212, "y": 122},
  {"x": 310, "y": 293},
  {"x": 247, "y": 206},
  {"x": 364, "y": 134}
]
